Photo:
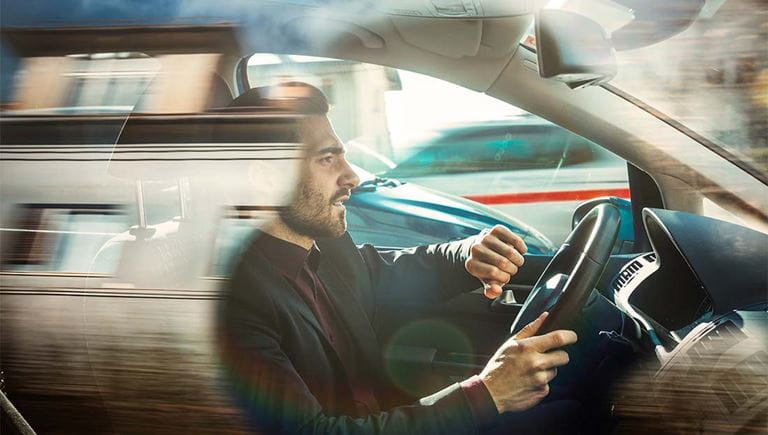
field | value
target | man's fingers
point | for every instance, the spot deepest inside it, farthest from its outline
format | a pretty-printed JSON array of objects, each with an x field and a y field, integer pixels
[
  {"x": 505, "y": 250},
  {"x": 552, "y": 340},
  {"x": 492, "y": 290},
  {"x": 506, "y": 235},
  {"x": 542, "y": 378},
  {"x": 494, "y": 258},
  {"x": 554, "y": 358},
  {"x": 488, "y": 256},
  {"x": 530, "y": 329},
  {"x": 487, "y": 273}
]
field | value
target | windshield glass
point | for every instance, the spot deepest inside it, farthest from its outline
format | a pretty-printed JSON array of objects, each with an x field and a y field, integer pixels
[{"x": 712, "y": 78}]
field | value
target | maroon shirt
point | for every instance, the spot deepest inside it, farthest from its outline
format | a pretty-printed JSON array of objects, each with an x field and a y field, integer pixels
[{"x": 299, "y": 267}]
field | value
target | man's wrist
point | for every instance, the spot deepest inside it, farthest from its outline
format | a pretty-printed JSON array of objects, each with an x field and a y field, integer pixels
[{"x": 481, "y": 403}]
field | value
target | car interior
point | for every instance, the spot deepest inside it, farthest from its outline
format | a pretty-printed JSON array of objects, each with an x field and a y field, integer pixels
[{"x": 134, "y": 351}]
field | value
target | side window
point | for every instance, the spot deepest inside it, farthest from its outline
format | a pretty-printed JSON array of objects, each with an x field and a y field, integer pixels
[{"x": 62, "y": 238}]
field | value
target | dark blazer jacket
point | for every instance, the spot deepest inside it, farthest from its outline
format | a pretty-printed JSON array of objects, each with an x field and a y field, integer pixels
[{"x": 284, "y": 373}]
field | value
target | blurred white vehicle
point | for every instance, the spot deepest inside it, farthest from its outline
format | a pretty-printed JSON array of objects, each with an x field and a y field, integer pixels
[{"x": 526, "y": 167}]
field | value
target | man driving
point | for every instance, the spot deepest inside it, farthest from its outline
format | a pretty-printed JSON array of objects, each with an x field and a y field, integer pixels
[{"x": 298, "y": 326}]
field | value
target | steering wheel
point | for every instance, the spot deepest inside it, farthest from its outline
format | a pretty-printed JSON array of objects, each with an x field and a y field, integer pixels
[{"x": 569, "y": 278}]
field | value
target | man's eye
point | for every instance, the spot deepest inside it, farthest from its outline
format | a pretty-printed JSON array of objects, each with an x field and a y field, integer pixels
[{"x": 327, "y": 160}]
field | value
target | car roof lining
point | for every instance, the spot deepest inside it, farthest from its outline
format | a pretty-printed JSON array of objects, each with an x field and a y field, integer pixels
[{"x": 407, "y": 43}]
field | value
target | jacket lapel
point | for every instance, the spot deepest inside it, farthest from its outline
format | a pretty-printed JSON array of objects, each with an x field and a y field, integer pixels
[
  {"x": 283, "y": 290},
  {"x": 342, "y": 297}
]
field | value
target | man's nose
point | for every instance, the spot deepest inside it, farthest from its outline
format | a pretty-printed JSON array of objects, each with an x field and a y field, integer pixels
[{"x": 348, "y": 178}]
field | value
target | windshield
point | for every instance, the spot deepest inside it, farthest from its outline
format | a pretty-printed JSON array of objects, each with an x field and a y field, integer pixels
[{"x": 712, "y": 78}]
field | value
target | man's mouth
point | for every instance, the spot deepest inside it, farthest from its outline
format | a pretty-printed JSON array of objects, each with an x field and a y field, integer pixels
[{"x": 340, "y": 200}]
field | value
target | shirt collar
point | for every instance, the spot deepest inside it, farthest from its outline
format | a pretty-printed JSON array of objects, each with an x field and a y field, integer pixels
[{"x": 287, "y": 257}]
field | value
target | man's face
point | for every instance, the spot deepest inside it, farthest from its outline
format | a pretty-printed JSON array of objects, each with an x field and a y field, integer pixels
[{"x": 326, "y": 181}]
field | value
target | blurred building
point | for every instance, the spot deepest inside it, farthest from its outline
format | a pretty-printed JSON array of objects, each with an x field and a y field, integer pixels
[{"x": 99, "y": 71}]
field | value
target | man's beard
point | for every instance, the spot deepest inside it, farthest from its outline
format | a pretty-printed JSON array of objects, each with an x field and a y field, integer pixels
[{"x": 312, "y": 215}]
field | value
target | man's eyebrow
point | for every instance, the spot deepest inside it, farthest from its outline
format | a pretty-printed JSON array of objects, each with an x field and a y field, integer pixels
[{"x": 333, "y": 149}]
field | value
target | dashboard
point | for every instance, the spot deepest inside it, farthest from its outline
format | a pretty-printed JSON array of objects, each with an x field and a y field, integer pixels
[
  {"x": 700, "y": 268},
  {"x": 701, "y": 297}
]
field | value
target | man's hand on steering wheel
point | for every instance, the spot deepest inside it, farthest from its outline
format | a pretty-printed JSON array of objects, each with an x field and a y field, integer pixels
[
  {"x": 495, "y": 257},
  {"x": 519, "y": 373}
]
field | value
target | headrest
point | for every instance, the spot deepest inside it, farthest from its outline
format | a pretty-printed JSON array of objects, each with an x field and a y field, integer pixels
[
  {"x": 298, "y": 97},
  {"x": 220, "y": 95}
]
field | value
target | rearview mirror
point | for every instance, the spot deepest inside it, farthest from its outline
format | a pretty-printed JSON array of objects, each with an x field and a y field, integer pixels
[{"x": 573, "y": 49}]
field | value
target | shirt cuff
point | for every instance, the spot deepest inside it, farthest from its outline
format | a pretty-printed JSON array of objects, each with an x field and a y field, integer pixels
[{"x": 480, "y": 401}]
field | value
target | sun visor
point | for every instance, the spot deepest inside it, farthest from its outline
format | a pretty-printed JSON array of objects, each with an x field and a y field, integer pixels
[{"x": 458, "y": 38}]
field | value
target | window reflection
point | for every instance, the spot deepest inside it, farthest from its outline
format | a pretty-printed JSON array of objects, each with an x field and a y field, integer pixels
[{"x": 62, "y": 238}]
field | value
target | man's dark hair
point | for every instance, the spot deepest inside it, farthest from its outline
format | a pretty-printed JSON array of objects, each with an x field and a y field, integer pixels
[{"x": 297, "y": 97}]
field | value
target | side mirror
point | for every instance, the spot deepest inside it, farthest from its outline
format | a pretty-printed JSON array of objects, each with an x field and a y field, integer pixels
[
  {"x": 625, "y": 241},
  {"x": 573, "y": 49}
]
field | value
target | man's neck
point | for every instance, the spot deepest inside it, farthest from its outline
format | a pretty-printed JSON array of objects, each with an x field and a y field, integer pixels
[{"x": 279, "y": 230}]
